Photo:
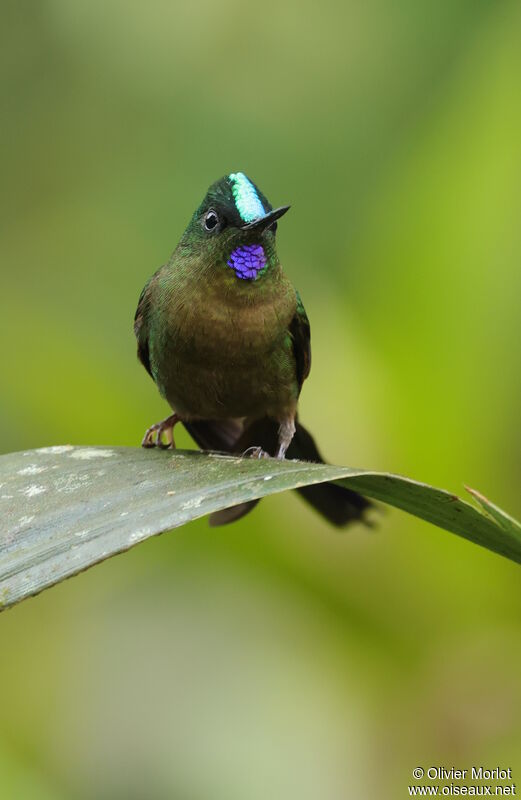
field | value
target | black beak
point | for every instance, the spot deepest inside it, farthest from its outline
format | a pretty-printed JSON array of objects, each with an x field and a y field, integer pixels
[{"x": 263, "y": 223}]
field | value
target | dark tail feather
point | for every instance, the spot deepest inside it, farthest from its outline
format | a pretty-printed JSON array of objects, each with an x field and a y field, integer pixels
[
  {"x": 232, "y": 514},
  {"x": 336, "y": 503},
  {"x": 221, "y": 435}
]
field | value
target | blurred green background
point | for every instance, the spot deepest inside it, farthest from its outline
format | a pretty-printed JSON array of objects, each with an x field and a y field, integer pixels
[{"x": 275, "y": 658}]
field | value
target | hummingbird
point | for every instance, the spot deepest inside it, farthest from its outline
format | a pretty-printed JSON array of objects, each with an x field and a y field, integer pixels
[{"x": 226, "y": 339}]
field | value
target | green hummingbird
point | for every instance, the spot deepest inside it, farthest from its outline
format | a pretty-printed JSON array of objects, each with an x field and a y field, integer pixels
[{"x": 226, "y": 339}]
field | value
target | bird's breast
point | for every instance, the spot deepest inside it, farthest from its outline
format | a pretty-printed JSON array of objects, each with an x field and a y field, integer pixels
[
  {"x": 215, "y": 326},
  {"x": 225, "y": 352}
]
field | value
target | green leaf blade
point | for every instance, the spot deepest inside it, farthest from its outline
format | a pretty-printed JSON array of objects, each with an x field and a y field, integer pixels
[{"x": 64, "y": 509}]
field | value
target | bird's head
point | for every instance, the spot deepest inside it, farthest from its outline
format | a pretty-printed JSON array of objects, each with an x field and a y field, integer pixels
[{"x": 234, "y": 228}]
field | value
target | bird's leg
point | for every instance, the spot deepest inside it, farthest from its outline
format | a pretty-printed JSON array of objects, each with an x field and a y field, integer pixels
[
  {"x": 152, "y": 437},
  {"x": 286, "y": 434}
]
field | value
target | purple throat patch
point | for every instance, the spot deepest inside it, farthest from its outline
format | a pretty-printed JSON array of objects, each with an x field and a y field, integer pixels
[{"x": 248, "y": 261}]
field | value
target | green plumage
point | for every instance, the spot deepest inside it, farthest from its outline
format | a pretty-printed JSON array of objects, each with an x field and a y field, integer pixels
[
  {"x": 228, "y": 353},
  {"x": 207, "y": 333}
]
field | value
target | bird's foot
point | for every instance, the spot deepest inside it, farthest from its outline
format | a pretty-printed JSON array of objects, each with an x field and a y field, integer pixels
[
  {"x": 255, "y": 452},
  {"x": 154, "y": 435}
]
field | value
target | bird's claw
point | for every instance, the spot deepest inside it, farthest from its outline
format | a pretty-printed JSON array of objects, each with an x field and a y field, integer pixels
[
  {"x": 152, "y": 437},
  {"x": 255, "y": 452},
  {"x": 154, "y": 434}
]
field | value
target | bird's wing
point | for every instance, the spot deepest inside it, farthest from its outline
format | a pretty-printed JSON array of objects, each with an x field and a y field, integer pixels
[
  {"x": 141, "y": 327},
  {"x": 300, "y": 333}
]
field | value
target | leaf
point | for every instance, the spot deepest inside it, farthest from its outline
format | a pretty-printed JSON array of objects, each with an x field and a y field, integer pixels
[
  {"x": 504, "y": 520},
  {"x": 63, "y": 509}
]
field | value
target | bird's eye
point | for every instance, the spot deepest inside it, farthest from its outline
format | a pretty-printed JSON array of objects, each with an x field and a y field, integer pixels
[{"x": 211, "y": 220}]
